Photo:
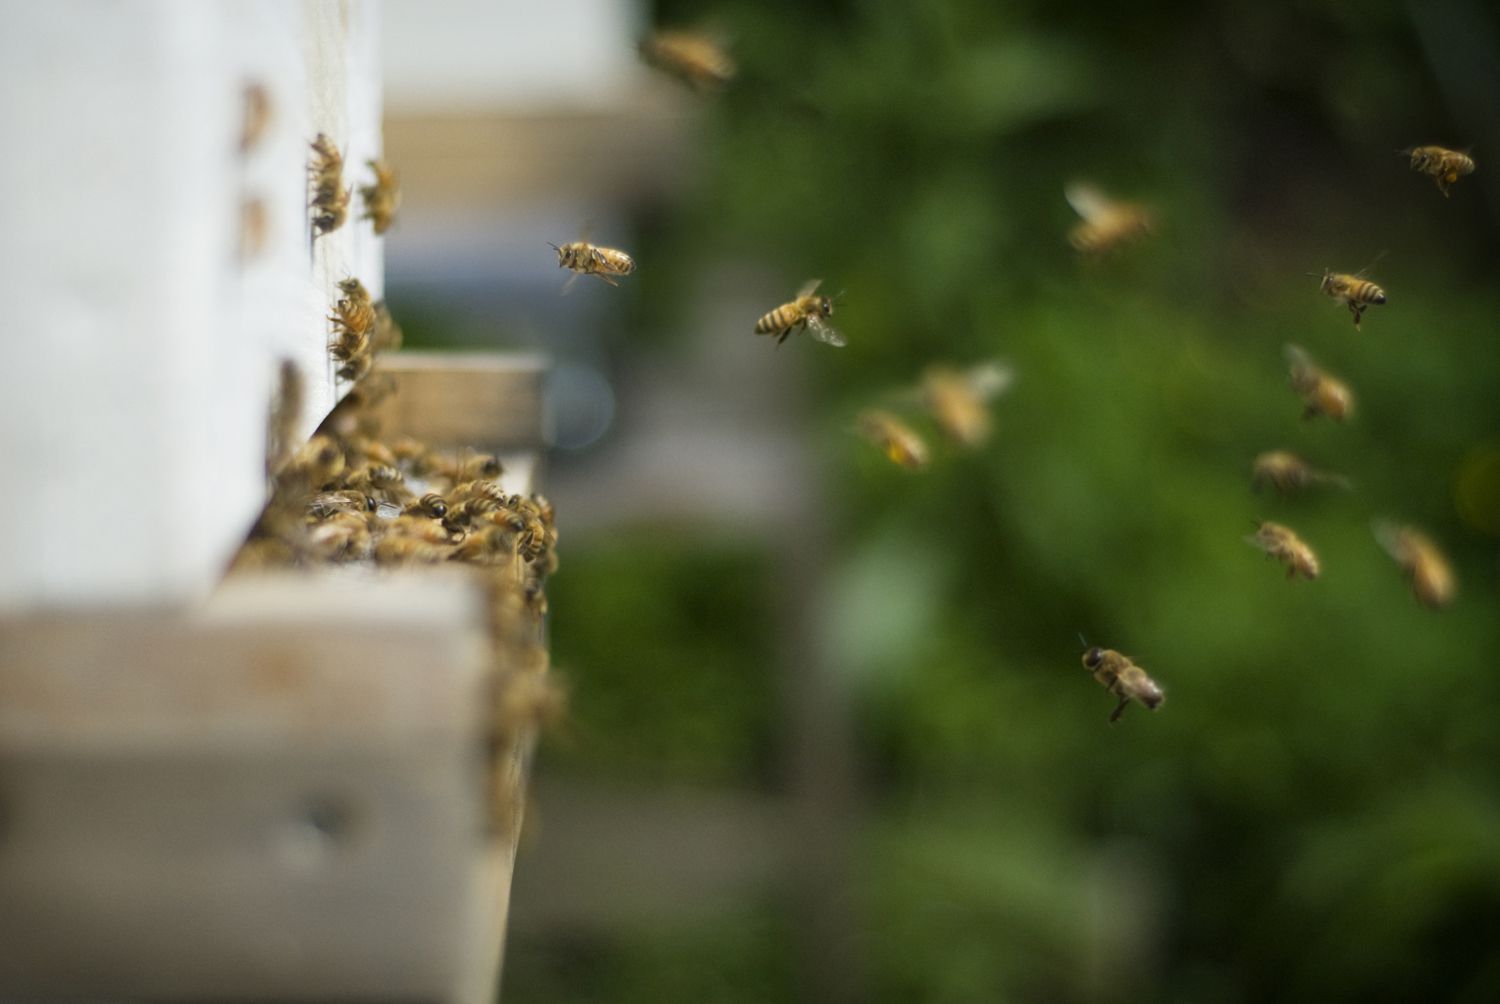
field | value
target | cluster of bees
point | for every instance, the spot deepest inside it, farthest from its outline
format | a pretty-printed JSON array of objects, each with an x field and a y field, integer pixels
[
  {"x": 351, "y": 498},
  {"x": 330, "y": 198},
  {"x": 957, "y": 401},
  {"x": 1107, "y": 225}
]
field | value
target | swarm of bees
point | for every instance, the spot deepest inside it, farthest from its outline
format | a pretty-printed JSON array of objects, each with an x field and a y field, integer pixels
[
  {"x": 347, "y": 497},
  {"x": 330, "y": 199}
]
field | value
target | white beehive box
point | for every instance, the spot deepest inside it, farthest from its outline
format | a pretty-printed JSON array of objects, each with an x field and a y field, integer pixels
[{"x": 274, "y": 789}]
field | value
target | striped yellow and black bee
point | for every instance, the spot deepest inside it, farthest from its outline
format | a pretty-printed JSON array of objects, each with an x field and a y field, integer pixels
[
  {"x": 1424, "y": 565},
  {"x": 330, "y": 200},
  {"x": 958, "y": 400},
  {"x": 806, "y": 311},
  {"x": 1354, "y": 291},
  {"x": 892, "y": 437},
  {"x": 1442, "y": 165},
  {"x": 1321, "y": 393},
  {"x": 694, "y": 58},
  {"x": 382, "y": 198},
  {"x": 584, "y": 258},
  {"x": 1289, "y": 474},
  {"x": 1107, "y": 225},
  {"x": 1285, "y": 546},
  {"x": 1123, "y": 678}
]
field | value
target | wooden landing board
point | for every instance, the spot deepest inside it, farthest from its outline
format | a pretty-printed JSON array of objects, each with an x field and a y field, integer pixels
[
  {"x": 489, "y": 401},
  {"x": 279, "y": 796}
]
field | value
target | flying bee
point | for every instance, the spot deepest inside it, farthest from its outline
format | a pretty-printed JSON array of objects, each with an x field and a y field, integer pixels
[
  {"x": 330, "y": 197},
  {"x": 382, "y": 198},
  {"x": 1107, "y": 225},
  {"x": 1281, "y": 543},
  {"x": 1321, "y": 393},
  {"x": 1444, "y": 166},
  {"x": 958, "y": 400},
  {"x": 255, "y": 226},
  {"x": 1289, "y": 474},
  {"x": 695, "y": 59},
  {"x": 893, "y": 437},
  {"x": 1431, "y": 575},
  {"x": 1354, "y": 291},
  {"x": 806, "y": 311},
  {"x": 584, "y": 258},
  {"x": 1123, "y": 678},
  {"x": 257, "y": 116}
]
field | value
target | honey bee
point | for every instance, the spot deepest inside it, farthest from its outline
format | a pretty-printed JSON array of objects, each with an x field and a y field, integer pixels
[
  {"x": 257, "y": 116},
  {"x": 400, "y": 549},
  {"x": 894, "y": 438},
  {"x": 1444, "y": 166},
  {"x": 1354, "y": 291},
  {"x": 432, "y": 504},
  {"x": 1281, "y": 543},
  {"x": 343, "y": 536},
  {"x": 1432, "y": 580},
  {"x": 387, "y": 335},
  {"x": 584, "y": 258},
  {"x": 319, "y": 462},
  {"x": 1290, "y": 474},
  {"x": 695, "y": 59},
  {"x": 254, "y": 226},
  {"x": 1321, "y": 393},
  {"x": 330, "y": 197},
  {"x": 806, "y": 311},
  {"x": 383, "y": 198},
  {"x": 281, "y": 422},
  {"x": 528, "y": 699},
  {"x": 1107, "y": 225},
  {"x": 958, "y": 400},
  {"x": 1123, "y": 678},
  {"x": 354, "y": 319}
]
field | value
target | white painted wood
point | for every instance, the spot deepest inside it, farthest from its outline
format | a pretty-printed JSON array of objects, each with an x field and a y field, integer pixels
[{"x": 138, "y": 350}]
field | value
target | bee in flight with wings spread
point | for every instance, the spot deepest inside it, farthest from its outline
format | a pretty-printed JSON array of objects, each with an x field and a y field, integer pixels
[{"x": 808, "y": 312}]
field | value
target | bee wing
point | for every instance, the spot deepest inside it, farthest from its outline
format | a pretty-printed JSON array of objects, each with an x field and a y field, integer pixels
[
  {"x": 1388, "y": 536},
  {"x": 808, "y": 288},
  {"x": 989, "y": 379},
  {"x": 1087, "y": 201},
  {"x": 566, "y": 286},
  {"x": 1296, "y": 355},
  {"x": 822, "y": 332}
]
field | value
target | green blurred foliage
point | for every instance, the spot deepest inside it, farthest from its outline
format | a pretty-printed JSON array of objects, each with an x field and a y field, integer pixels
[{"x": 1315, "y": 812}]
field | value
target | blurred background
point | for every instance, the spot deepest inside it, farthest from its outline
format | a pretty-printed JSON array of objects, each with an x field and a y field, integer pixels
[{"x": 830, "y": 735}]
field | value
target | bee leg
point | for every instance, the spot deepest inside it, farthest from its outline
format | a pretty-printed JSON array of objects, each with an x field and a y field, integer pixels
[
  {"x": 607, "y": 279},
  {"x": 783, "y": 336},
  {"x": 1119, "y": 710},
  {"x": 1357, "y": 310}
]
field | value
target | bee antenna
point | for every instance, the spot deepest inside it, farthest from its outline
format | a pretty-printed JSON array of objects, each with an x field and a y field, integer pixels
[
  {"x": 553, "y": 246},
  {"x": 1083, "y": 639}
]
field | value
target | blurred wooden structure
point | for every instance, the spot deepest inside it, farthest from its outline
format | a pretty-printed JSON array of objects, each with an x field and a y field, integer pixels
[{"x": 276, "y": 788}]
